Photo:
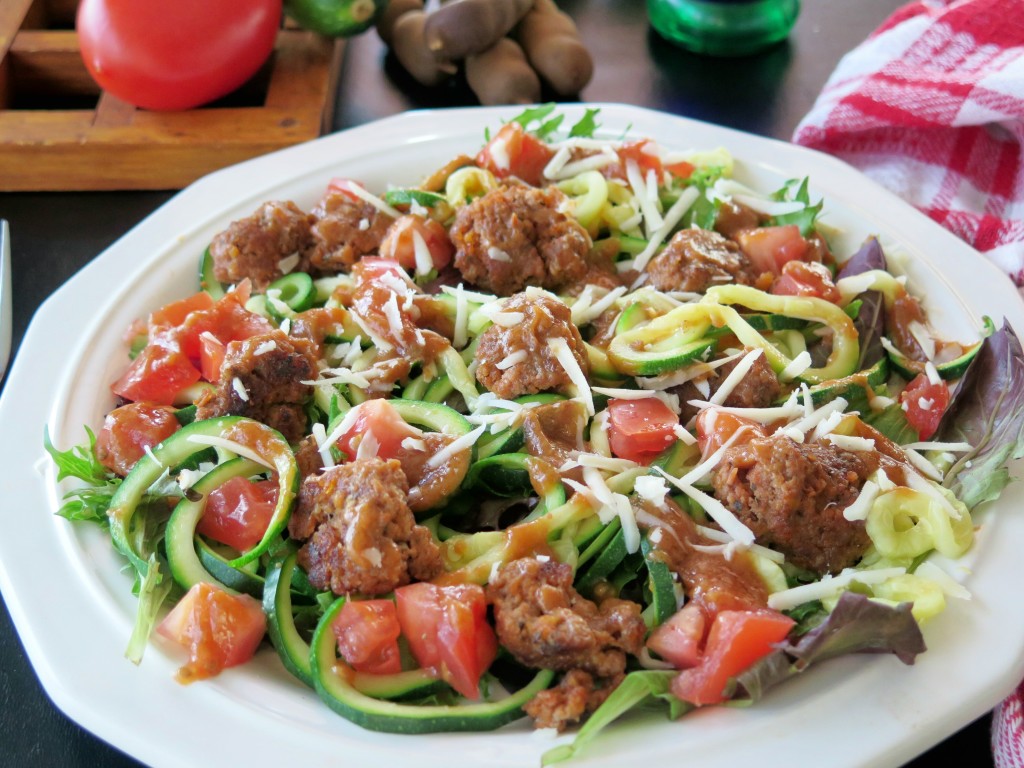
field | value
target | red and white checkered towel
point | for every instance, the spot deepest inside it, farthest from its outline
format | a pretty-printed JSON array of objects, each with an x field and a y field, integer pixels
[{"x": 931, "y": 106}]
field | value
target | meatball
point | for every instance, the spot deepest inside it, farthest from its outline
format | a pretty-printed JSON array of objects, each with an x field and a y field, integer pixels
[
  {"x": 696, "y": 259},
  {"x": 344, "y": 230},
  {"x": 759, "y": 388},
  {"x": 792, "y": 496},
  {"x": 544, "y": 319},
  {"x": 261, "y": 377},
  {"x": 577, "y": 695},
  {"x": 360, "y": 534},
  {"x": 516, "y": 236},
  {"x": 255, "y": 247},
  {"x": 545, "y": 623},
  {"x": 129, "y": 430}
]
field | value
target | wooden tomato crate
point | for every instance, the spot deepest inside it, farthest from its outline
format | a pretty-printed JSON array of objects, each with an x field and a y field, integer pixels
[{"x": 59, "y": 131}]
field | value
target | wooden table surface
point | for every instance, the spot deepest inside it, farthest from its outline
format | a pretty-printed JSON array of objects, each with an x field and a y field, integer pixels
[{"x": 54, "y": 234}]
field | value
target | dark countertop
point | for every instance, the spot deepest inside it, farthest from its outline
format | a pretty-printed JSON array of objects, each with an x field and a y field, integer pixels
[{"x": 54, "y": 234}]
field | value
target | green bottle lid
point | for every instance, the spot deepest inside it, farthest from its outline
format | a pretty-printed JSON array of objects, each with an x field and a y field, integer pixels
[{"x": 723, "y": 27}]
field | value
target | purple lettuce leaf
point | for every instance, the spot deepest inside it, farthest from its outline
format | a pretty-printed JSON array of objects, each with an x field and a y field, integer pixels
[
  {"x": 856, "y": 625},
  {"x": 870, "y": 321},
  {"x": 988, "y": 412}
]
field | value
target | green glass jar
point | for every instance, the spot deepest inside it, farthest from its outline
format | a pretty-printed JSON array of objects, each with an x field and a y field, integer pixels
[{"x": 723, "y": 27}]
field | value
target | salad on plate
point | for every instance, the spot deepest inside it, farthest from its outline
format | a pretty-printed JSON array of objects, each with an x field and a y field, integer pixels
[{"x": 574, "y": 423}]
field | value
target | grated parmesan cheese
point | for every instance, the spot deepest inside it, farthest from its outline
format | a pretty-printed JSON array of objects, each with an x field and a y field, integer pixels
[
  {"x": 496, "y": 254},
  {"x": 230, "y": 445},
  {"x": 567, "y": 360},
  {"x": 860, "y": 507},
  {"x": 735, "y": 377},
  {"x": 461, "y": 333},
  {"x": 512, "y": 359},
  {"x": 829, "y": 586},
  {"x": 413, "y": 444},
  {"x": 240, "y": 390},
  {"x": 797, "y": 365},
  {"x": 672, "y": 218},
  {"x": 461, "y": 443},
  {"x": 288, "y": 264}
]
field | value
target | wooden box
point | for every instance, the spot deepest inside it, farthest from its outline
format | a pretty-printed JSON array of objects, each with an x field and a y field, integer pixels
[{"x": 59, "y": 131}]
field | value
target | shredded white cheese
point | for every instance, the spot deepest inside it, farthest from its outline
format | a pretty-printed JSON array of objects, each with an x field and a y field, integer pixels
[
  {"x": 373, "y": 200},
  {"x": 264, "y": 347},
  {"x": 462, "y": 443},
  {"x": 511, "y": 360},
  {"x": 860, "y": 507},
  {"x": 461, "y": 333},
  {"x": 829, "y": 586},
  {"x": 240, "y": 390},
  {"x": 735, "y": 377},
  {"x": 851, "y": 442},
  {"x": 564, "y": 356},
  {"x": 368, "y": 447},
  {"x": 796, "y": 366},
  {"x": 496, "y": 254},
  {"x": 672, "y": 218},
  {"x": 230, "y": 445},
  {"x": 414, "y": 444}
]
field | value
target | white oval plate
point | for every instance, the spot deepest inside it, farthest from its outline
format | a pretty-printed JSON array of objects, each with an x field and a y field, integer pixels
[{"x": 71, "y": 601}]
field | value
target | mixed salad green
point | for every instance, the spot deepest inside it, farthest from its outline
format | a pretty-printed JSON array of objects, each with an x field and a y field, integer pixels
[{"x": 575, "y": 424}]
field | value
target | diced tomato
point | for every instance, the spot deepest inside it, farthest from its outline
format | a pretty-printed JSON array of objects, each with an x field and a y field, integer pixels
[
  {"x": 400, "y": 242},
  {"x": 737, "y": 639},
  {"x": 129, "y": 430},
  {"x": 345, "y": 187},
  {"x": 175, "y": 313},
  {"x": 715, "y": 426},
  {"x": 159, "y": 373},
  {"x": 514, "y": 152},
  {"x": 645, "y": 154},
  {"x": 238, "y": 512},
  {"x": 227, "y": 320},
  {"x": 770, "y": 248},
  {"x": 924, "y": 403},
  {"x": 380, "y": 419},
  {"x": 218, "y": 629},
  {"x": 639, "y": 430},
  {"x": 447, "y": 630},
  {"x": 802, "y": 278},
  {"x": 367, "y": 633},
  {"x": 680, "y": 639},
  {"x": 211, "y": 356},
  {"x": 681, "y": 169},
  {"x": 373, "y": 267}
]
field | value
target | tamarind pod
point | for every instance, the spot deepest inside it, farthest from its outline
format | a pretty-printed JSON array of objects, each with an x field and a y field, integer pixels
[
  {"x": 410, "y": 48},
  {"x": 386, "y": 20},
  {"x": 502, "y": 75},
  {"x": 466, "y": 27},
  {"x": 553, "y": 47}
]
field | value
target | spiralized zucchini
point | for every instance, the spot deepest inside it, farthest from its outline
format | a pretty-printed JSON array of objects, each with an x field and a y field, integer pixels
[
  {"x": 466, "y": 184},
  {"x": 589, "y": 194}
]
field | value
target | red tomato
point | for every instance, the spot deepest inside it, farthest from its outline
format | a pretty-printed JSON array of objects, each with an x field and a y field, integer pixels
[
  {"x": 345, "y": 187},
  {"x": 924, "y": 404},
  {"x": 514, "y": 152},
  {"x": 645, "y": 154},
  {"x": 400, "y": 242},
  {"x": 802, "y": 278},
  {"x": 770, "y": 248},
  {"x": 639, "y": 430},
  {"x": 218, "y": 629},
  {"x": 715, "y": 427},
  {"x": 227, "y": 320},
  {"x": 379, "y": 418},
  {"x": 367, "y": 633},
  {"x": 176, "y": 312},
  {"x": 129, "y": 430},
  {"x": 177, "y": 55},
  {"x": 373, "y": 267},
  {"x": 238, "y": 512},
  {"x": 156, "y": 375},
  {"x": 682, "y": 169},
  {"x": 680, "y": 639},
  {"x": 447, "y": 630},
  {"x": 737, "y": 639},
  {"x": 211, "y": 356}
]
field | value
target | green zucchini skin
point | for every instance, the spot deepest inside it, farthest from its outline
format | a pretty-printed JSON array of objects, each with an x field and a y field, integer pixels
[
  {"x": 186, "y": 567},
  {"x": 277, "y": 605},
  {"x": 177, "y": 449},
  {"x": 395, "y": 717},
  {"x": 948, "y": 371},
  {"x": 295, "y": 289},
  {"x": 207, "y": 279}
]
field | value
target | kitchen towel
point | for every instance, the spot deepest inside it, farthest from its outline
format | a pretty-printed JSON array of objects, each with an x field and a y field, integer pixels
[{"x": 931, "y": 106}]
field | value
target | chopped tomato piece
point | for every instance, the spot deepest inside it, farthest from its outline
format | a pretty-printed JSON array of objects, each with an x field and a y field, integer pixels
[
  {"x": 737, "y": 639},
  {"x": 159, "y": 373},
  {"x": 227, "y": 320},
  {"x": 802, "y": 278},
  {"x": 924, "y": 404},
  {"x": 681, "y": 169},
  {"x": 715, "y": 427},
  {"x": 218, "y": 629},
  {"x": 367, "y": 633},
  {"x": 447, "y": 630},
  {"x": 175, "y": 313},
  {"x": 345, "y": 187},
  {"x": 514, "y": 152},
  {"x": 373, "y": 267},
  {"x": 129, "y": 430},
  {"x": 680, "y": 639},
  {"x": 645, "y": 154},
  {"x": 379, "y": 419},
  {"x": 639, "y": 430},
  {"x": 211, "y": 356},
  {"x": 400, "y": 244},
  {"x": 238, "y": 512},
  {"x": 770, "y": 248}
]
